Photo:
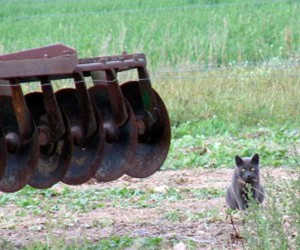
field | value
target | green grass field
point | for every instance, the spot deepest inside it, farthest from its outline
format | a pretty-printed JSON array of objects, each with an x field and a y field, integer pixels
[
  {"x": 228, "y": 71},
  {"x": 169, "y": 32}
]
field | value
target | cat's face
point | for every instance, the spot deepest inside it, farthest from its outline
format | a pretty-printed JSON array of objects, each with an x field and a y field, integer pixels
[{"x": 247, "y": 168}]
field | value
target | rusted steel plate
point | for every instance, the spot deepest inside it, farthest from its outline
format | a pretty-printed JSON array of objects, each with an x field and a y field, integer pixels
[
  {"x": 25, "y": 124},
  {"x": 87, "y": 120},
  {"x": 53, "y": 112},
  {"x": 118, "y": 63},
  {"x": 45, "y": 61},
  {"x": 113, "y": 94},
  {"x": 121, "y": 62}
]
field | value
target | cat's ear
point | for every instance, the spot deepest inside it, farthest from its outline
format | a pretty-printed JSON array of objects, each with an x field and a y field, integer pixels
[
  {"x": 238, "y": 161},
  {"x": 255, "y": 159}
]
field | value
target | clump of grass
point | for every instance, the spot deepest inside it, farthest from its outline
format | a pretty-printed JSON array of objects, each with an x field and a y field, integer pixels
[
  {"x": 174, "y": 216},
  {"x": 208, "y": 193},
  {"x": 204, "y": 215},
  {"x": 276, "y": 225},
  {"x": 4, "y": 244}
]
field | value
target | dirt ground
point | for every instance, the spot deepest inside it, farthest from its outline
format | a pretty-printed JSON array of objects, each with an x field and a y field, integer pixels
[{"x": 208, "y": 233}]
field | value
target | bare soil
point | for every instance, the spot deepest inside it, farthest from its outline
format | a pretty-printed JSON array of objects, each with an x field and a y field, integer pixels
[{"x": 214, "y": 232}]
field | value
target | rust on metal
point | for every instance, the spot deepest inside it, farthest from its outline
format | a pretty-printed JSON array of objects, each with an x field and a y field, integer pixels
[
  {"x": 53, "y": 113},
  {"x": 49, "y": 60}
]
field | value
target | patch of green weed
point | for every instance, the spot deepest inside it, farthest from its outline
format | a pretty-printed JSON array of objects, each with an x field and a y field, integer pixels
[
  {"x": 174, "y": 216},
  {"x": 208, "y": 193},
  {"x": 276, "y": 224},
  {"x": 275, "y": 145}
]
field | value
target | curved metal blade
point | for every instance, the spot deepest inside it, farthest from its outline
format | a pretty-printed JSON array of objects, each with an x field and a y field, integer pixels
[
  {"x": 3, "y": 153},
  {"x": 87, "y": 155},
  {"x": 120, "y": 144},
  {"x": 55, "y": 156},
  {"x": 154, "y": 142},
  {"x": 22, "y": 159}
]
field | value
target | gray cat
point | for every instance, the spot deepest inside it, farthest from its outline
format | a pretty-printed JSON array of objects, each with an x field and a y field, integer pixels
[{"x": 245, "y": 181}]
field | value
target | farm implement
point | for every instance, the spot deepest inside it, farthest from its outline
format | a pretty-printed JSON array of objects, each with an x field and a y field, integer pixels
[{"x": 99, "y": 130}]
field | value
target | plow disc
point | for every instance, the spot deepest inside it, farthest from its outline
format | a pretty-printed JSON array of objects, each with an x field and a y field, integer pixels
[
  {"x": 87, "y": 150},
  {"x": 77, "y": 133},
  {"x": 55, "y": 153},
  {"x": 153, "y": 141},
  {"x": 120, "y": 141},
  {"x": 22, "y": 153},
  {"x": 3, "y": 153}
]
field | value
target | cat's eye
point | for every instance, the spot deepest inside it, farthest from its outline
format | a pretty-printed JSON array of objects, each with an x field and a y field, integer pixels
[
  {"x": 252, "y": 169},
  {"x": 243, "y": 169}
]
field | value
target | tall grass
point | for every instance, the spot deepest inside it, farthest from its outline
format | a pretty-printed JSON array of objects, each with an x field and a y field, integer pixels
[{"x": 245, "y": 97}]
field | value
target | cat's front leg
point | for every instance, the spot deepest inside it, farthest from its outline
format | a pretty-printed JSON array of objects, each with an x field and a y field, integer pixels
[
  {"x": 240, "y": 201},
  {"x": 242, "y": 205}
]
